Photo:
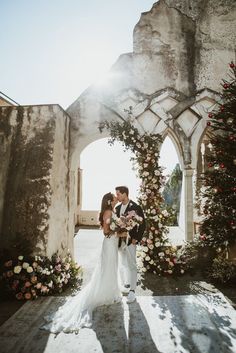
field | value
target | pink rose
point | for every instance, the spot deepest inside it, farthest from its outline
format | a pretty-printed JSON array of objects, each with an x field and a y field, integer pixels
[
  {"x": 27, "y": 296},
  {"x": 8, "y": 263},
  {"x": 19, "y": 296}
]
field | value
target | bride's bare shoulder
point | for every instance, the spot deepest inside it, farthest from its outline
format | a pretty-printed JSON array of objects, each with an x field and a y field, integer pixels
[{"x": 107, "y": 214}]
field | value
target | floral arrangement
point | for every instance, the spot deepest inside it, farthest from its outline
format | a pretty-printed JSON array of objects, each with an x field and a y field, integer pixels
[
  {"x": 156, "y": 255},
  {"x": 30, "y": 277},
  {"x": 125, "y": 222}
]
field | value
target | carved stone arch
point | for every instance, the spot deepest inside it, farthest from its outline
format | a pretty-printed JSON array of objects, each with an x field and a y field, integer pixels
[
  {"x": 168, "y": 83},
  {"x": 174, "y": 139}
]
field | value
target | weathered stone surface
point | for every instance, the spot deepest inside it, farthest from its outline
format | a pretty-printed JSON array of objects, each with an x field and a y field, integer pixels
[
  {"x": 181, "y": 51},
  {"x": 34, "y": 179}
]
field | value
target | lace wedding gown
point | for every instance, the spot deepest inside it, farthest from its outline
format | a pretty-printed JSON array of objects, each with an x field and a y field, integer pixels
[{"x": 103, "y": 289}]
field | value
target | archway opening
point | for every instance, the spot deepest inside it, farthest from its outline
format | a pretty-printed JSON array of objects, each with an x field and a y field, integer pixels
[
  {"x": 103, "y": 167},
  {"x": 172, "y": 190}
]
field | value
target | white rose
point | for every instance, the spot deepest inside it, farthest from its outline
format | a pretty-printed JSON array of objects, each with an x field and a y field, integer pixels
[
  {"x": 144, "y": 269},
  {"x": 161, "y": 254},
  {"x": 145, "y": 173},
  {"x": 20, "y": 257},
  {"x": 147, "y": 258},
  {"x": 25, "y": 265},
  {"x": 112, "y": 226},
  {"x": 151, "y": 246},
  {"x": 17, "y": 269},
  {"x": 165, "y": 213},
  {"x": 29, "y": 269}
]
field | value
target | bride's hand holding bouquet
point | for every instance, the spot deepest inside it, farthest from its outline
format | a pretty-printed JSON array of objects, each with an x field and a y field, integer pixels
[{"x": 122, "y": 225}]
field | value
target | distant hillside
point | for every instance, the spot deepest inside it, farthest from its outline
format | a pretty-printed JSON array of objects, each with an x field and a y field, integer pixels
[{"x": 172, "y": 191}]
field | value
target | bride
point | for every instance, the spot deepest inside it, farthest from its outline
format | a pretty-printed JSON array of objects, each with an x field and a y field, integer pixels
[{"x": 103, "y": 287}]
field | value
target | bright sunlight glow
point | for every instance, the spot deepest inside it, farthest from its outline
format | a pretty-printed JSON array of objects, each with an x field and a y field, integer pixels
[{"x": 112, "y": 167}]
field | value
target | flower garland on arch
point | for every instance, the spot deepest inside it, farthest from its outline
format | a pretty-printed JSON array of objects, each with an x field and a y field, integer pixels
[{"x": 156, "y": 254}]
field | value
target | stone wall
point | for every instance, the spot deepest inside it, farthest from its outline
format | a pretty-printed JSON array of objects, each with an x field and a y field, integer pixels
[
  {"x": 179, "y": 49},
  {"x": 171, "y": 80},
  {"x": 34, "y": 211}
]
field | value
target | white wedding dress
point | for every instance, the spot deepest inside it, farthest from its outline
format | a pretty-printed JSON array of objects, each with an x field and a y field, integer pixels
[{"x": 103, "y": 289}]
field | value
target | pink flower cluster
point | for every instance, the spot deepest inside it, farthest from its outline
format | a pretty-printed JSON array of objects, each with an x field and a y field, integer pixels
[
  {"x": 126, "y": 222},
  {"x": 29, "y": 277}
]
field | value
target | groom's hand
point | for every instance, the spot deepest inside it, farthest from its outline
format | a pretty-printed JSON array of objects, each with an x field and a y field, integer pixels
[{"x": 122, "y": 234}]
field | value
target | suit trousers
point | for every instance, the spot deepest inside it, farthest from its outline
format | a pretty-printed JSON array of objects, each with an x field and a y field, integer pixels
[{"x": 128, "y": 266}]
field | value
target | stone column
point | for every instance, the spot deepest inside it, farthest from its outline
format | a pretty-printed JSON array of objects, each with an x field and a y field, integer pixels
[
  {"x": 79, "y": 194},
  {"x": 188, "y": 203}
]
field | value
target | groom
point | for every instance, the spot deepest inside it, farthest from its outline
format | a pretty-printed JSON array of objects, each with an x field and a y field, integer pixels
[{"x": 128, "y": 254}]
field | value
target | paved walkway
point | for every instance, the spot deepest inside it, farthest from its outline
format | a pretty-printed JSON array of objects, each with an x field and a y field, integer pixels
[{"x": 203, "y": 322}]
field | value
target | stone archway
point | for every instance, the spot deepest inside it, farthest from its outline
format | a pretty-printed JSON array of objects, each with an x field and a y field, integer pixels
[
  {"x": 169, "y": 82},
  {"x": 163, "y": 112},
  {"x": 180, "y": 53}
]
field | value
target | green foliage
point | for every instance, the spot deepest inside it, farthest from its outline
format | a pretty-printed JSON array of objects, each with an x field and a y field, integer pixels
[
  {"x": 219, "y": 225},
  {"x": 171, "y": 193},
  {"x": 222, "y": 270}
]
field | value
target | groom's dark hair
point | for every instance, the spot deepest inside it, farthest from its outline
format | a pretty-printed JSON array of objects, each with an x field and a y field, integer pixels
[{"x": 123, "y": 190}]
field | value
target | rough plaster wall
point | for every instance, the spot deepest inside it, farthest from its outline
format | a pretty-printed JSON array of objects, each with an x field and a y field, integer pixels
[
  {"x": 164, "y": 50},
  {"x": 30, "y": 168},
  {"x": 191, "y": 42},
  {"x": 7, "y": 128},
  {"x": 59, "y": 236},
  {"x": 179, "y": 45}
]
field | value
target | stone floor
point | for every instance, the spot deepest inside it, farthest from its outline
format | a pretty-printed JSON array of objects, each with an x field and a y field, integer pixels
[{"x": 170, "y": 316}]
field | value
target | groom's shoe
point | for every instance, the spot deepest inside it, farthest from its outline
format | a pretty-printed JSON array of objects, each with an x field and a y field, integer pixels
[
  {"x": 125, "y": 288},
  {"x": 131, "y": 297}
]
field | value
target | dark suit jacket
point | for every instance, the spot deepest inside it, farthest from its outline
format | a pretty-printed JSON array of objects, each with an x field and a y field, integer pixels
[{"x": 137, "y": 231}]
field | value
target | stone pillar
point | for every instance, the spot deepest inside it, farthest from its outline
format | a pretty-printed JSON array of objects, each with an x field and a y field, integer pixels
[
  {"x": 188, "y": 203},
  {"x": 78, "y": 198}
]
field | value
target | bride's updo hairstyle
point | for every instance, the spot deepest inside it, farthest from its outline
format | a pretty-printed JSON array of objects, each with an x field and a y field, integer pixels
[{"x": 106, "y": 205}]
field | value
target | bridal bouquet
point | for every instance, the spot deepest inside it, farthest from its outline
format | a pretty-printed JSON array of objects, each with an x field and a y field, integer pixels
[{"x": 125, "y": 223}]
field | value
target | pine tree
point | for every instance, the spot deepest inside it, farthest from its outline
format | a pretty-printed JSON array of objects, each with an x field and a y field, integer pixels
[{"x": 219, "y": 225}]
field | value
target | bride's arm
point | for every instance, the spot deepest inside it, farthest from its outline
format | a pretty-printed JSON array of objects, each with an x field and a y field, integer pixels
[{"x": 106, "y": 223}]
